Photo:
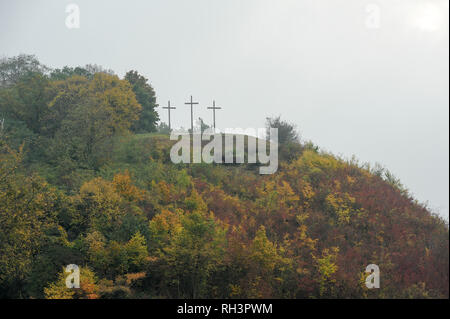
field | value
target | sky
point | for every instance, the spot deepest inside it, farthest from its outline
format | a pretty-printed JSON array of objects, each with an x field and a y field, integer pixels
[{"x": 363, "y": 78}]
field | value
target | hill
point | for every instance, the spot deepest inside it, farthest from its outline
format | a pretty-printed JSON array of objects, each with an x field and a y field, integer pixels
[
  {"x": 144, "y": 227},
  {"x": 85, "y": 180}
]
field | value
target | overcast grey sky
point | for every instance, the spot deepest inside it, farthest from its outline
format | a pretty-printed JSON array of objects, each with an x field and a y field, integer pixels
[{"x": 363, "y": 78}]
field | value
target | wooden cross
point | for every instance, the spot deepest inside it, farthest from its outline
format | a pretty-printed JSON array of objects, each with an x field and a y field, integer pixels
[
  {"x": 214, "y": 108},
  {"x": 168, "y": 108},
  {"x": 191, "y": 103},
  {"x": 2, "y": 122}
]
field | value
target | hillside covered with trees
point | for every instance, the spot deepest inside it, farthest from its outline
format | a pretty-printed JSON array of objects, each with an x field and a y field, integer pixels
[{"x": 86, "y": 178}]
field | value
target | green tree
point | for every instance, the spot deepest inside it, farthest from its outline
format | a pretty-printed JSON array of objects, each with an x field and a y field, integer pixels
[
  {"x": 288, "y": 138},
  {"x": 286, "y": 131},
  {"x": 137, "y": 253},
  {"x": 88, "y": 286},
  {"x": 202, "y": 125},
  {"x": 27, "y": 212},
  {"x": 87, "y": 71},
  {"x": 194, "y": 253},
  {"x": 12, "y": 69},
  {"x": 146, "y": 97},
  {"x": 163, "y": 128},
  {"x": 326, "y": 267},
  {"x": 27, "y": 100},
  {"x": 90, "y": 113},
  {"x": 267, "y": 266}
]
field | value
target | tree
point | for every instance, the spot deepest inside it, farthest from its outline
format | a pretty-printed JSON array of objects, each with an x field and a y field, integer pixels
[
  {"x": 87, "y": 71},
  {"x": 146, "y": 97},
  {"x": 27, "y": 100},
  {"x": 112, "y": 259},
  {"x": 202, "y": 125},
  {"x": 27, "y": 212},
  {"x": 99, "y": 208},
  {"x": 12, "y": 69},
  {"x": 91, "y": 113},
  {"x": 192, "y": 255},
  {"x": 68, "y": 72},
  {"x": 137, "y": 253},
  {"x": 326, "y": 266},
  {"x": 66, "y": 95},
  {"x": 267, "y": 266},
  {"x": 286, "y": 131},
  {"x": 288, "y": 138},
  {"x": 88, "y": 286},
  {"x": 163, "y": 128}
]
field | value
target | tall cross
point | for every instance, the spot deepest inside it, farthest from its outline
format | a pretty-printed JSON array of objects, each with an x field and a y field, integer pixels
[
  {"x": 214, "y": 108},
  {"x": 191, "y": 103},
  {"x": 168, "y": 108}
]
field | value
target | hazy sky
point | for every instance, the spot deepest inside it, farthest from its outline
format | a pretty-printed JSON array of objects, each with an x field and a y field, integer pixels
[{"x": 363, "y": 78}]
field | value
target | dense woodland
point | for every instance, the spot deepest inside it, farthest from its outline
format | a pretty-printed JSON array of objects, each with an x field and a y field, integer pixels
[{"x": 86, "y": 179}]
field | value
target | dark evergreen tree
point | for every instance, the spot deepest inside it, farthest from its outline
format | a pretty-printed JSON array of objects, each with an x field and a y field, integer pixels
[{"x": 145, "y": 95}]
